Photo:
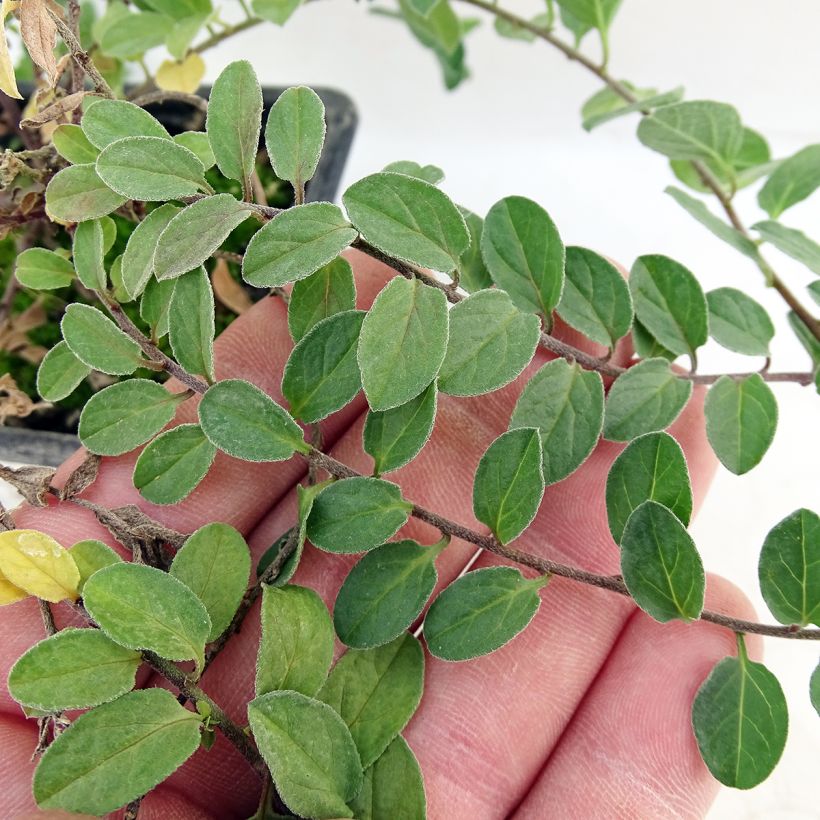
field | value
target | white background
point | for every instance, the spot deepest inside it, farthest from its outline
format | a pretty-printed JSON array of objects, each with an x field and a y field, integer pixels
[{"x": 514, "y": 127}]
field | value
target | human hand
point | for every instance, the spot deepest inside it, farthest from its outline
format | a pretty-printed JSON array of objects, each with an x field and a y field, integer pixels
[{"x": 585, "y": 714}]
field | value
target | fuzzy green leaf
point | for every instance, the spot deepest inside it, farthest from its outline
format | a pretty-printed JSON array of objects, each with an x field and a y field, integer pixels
[
  {"x": 88, "y": 251},
  {"x": 150, "y": 169},
  {"x": 172, "y": 465},
  {"x": 42, "y": 269},
  {"x": 328, "y": 291},
  {"x": 95, "y": 340},
  {"x": 566, "y": 404},
  {"x": 294, "y": 134},
  {"x": 395, "y": 437},
  {"x": 814, "y": 689},
  {"x": 356, "y": 514},
  {"x": 428, "y": 173},
  {"x": 402, "y": 343},
  {"x": 197, "y": 142},
  {"x": 509, "y": 483},
  {"x": 738, "y": 322},
  {"x": 524, "y": 254},
  {"x": 409, "y": 219},
  {"x": 296, "y": 244},
  {"x": 73, "y": 669},
  {"x": 791, "y": 182},
  {"x": 792, "y": 242},
  {"x": 596, "y": 14},
  {"x": 660, "y": 564},
  {"x": 741, "y": 722},
  {"x": 116, "y": 753},
  {"x": 107, "y": 121},
  {"x": 670, "y": 303},
  {"x": 480, "y": 612},
  {"x": 275, "y": 11},
  {"x": 789, "y": 569},
  {"x": 647, "y": 346},
  {"x": 76, "y": 193},
  {"x": 376, "y": 691},
  {"x": 155, "y": 305},
  {"x": 90, "y": 556},
  {"x": 606, "y": 105},
  {"x": 234, "y": 121},
  {"x": 596, "y": 299},
  {"x": 191, "y": 323},
  {"x": 385, "y": 592},
  {"x": 195, "y": 233},
  {"x": 473, "y": 273},
  {"x": 652, "y": 468},
  {"x": 310, "y": 753},
  {"x": 741, "y": 419},
  {"x": 215, "y": 564},
  {"x": 181, "y": 9},
  {"x": 73, "y": 145},
  {"x": 60, "y": 373},
  {"x": 296, "y": 647},
  {"x": 138, "y": 259},
  {"x": 490, "y": 344}
]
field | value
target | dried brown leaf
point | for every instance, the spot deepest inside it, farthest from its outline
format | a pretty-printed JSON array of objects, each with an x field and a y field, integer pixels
[
  {"x": 82, "y": 477},
  {"x": 227, "y": 290},
  {"x": 39, "y": 32},
  {"x": 61, "y": 107},
  {"x": 31, "y": 482}
]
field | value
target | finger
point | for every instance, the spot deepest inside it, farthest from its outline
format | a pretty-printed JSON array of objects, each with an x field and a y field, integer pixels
[{"x": 630, "y": 750}]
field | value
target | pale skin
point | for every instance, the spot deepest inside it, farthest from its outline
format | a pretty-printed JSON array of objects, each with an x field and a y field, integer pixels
[{"x": 583, "y": 715}]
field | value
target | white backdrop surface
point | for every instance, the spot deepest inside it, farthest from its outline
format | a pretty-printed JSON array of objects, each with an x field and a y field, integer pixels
[{"x": 514, "y": 127}]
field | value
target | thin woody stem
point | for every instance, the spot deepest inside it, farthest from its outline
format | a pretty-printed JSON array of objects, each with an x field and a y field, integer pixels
[{"x": 81, "y": 56}]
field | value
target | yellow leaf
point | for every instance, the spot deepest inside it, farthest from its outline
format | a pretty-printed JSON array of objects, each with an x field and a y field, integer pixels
[
  {"x": 9, "y": 593},
  {"x": 36, "y": 563},
  {"x": 8, "y": 83},
  {"x": 181, "y": 76}
]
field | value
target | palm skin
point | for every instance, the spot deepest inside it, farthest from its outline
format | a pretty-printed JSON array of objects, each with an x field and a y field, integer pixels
[{"x": 584, "y": 715}]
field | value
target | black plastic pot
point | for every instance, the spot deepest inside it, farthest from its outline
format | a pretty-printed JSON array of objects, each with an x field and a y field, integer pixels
[{"x": 49, "y": 448}]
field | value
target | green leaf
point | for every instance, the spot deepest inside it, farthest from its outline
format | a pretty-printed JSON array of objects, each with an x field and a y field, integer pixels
[
  {"x": 296, "y": 647},
  {"x": 566, "y": 404},
  {"x": 814, "y": 689},
  {"x": 648, "y": 397},
  {"x": 660, "y": 564},
  {"x": 88, "y": 253},
  {"x": 134, "y": 34},
  {"x": 490, "y": 344},
  {"x": 395, "y": 437},
  {"x": 402, "y": 343},
  {"x": 73, "y": 669},
  {"x": 76, "y": 193},
  {"x": 524, "y": 254},
  {"x": 670, "y": 303},
  {"x": 246, "y": 423},
  {"x": 60, "y": 373},
  {"x": 473, "y": 273},
  {"x": 805, "y": 337},
  {"x": 741, "y": 721},
  {"x": 107, "y": 121},
  {"x": 309, "y": 751},
  {"x": 606, "y": 105},
  {"x": 385, "y": 592},
  {"x": 356, "y": 514},
  {"x": 181, "y": 9},
  {"x": 651, "y": 468},
  {"x": 792, "y": 181},
  {"x": 138, "y": 259},
  {"x": 198, "y": 143},
  {"x": 509, "y": 483},
  {"x": 738, "y": 322},
  {"x": 741, "y": 419},
  {"x": 789, "y": 569},
  {"x": 195, "y": 233},
  {"x": 698, "y": 209},
  {"x": 234, "y": 121},
  {"x": 596, "y": 299},
  {"x": 296, "y": 244},
  {"x": 480, "y": 612},
  {"x": 191, "y": 323},
  {"x": 376, "y": 691},
  {"x": 141, "y": 607},
  {"x": 96, "y": 341},
  {"x": 647, "y": 346},
  {"x": 275, "y": 11},
  {"x": 695, "y": 130},
  {"x": 596, "y": 14},
  {"x": 125, "y": 415},
  {"x": 90, "y": 556},
  {"x": 409, "y": 219},
  {"x": 42, "y": 269},
  {"x": 150, "y": 169},
  {"x": 73, "y": 145},
  {"x": 116, "y": 753},
  {"x": 322, "y": 375},
  {"x": 327, "y": 291},
  {"x": 173, "y": 464},
  {"x": 792, "y": 242},
  {"x": 428, "y": 173},
  {"x": 155, "y": 305},
  {"x": 294, "y": 135}
]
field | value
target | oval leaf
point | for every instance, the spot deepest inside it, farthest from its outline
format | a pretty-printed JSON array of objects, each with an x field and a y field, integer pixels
[
  {"x": 739, "y": 323},
  {"x": 191, "y": 323},
  {"x": 138, "y": 259},
  {"x": 107, "y": 121},
  {"x": 90, "y": 556},
  {"x": 60, "y": 373},
  {"x": 76, "y": 193},
  {"x": 37, "y": 564},
  {"x": 795, "y": 179},
  {"x": 97, "y": 342},
  {"x": 327, "y": 291},
  {"x": 42, "y": 269},
  {"x": 88, "y": 251}
]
